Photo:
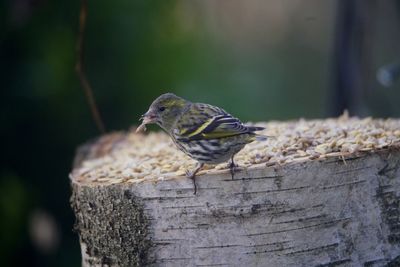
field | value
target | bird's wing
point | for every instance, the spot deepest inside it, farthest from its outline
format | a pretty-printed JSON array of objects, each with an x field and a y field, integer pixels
[{"x": 204, "y": 121}]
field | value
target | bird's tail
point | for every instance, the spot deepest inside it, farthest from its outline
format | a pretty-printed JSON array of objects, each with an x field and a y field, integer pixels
[
  {"x": 261, "y": 137},
  {"x": 255, "y": 128},
  {"x": 258, "y": 137}
]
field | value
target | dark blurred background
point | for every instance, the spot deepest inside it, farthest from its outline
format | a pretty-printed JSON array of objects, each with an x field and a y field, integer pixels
[{"x": 261, "y": 60}]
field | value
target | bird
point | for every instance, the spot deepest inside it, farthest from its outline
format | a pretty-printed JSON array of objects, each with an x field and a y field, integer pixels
[{"x": 206, "y": 133}]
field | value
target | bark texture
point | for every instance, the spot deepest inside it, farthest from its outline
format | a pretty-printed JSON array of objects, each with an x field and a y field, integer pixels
[{"x": 316, "y": 213}]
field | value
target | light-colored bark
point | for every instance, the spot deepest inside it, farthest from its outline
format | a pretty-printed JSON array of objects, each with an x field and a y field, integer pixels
[{"x": 316, "y": 213}]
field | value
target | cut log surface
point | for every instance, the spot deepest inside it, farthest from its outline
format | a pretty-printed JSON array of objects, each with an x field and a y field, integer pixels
[{"x": 318, "y": 193}]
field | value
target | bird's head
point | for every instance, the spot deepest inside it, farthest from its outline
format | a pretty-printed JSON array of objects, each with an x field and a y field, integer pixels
[{"x": 164, "y": 111}]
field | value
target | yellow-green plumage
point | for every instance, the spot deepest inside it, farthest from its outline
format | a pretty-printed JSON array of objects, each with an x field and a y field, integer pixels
[
  {"x": 204, "y": 132},
  {"x": 209, "y": 134}
]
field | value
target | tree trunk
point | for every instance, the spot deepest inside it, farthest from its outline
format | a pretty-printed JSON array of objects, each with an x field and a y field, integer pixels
[{"x": 332, "y": 212}]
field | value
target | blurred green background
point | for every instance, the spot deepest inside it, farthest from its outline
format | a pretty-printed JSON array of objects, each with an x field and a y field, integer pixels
[{"x": 259, "y": 59}]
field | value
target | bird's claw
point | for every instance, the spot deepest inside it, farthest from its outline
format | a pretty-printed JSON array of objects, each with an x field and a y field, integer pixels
[
  {"x": 233, "y": 168},
  {"x": 192, "y": 175}
]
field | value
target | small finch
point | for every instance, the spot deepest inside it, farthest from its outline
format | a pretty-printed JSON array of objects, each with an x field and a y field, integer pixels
[{"x": 204, "y": 132}]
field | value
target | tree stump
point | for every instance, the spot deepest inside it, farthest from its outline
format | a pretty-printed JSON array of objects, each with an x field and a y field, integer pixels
[{"x": 321, "y": 193}]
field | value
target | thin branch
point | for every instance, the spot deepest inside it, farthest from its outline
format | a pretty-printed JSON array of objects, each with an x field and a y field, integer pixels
[{"x": 80, "y": 71}]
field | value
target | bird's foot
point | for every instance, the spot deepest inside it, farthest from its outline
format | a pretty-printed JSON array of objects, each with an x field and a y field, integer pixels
[
  {"x": 233, "y": 168},
  {"x": 192, "y": 175}
]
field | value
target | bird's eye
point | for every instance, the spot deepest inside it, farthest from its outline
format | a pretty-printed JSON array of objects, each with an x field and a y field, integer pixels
[{"x": 161, "y": 109}]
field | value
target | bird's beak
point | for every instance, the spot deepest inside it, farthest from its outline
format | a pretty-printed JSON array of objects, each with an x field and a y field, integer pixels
[{"x": 147, "y": 118}]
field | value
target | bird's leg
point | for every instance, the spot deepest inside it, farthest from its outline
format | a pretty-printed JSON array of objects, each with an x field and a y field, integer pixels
[
  {"x": 232, "y": 166},
  {"x": 192, "y": 175}
]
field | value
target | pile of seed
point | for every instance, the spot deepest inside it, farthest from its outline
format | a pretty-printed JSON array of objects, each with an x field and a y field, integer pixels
[{"x": 133, "y": 158}]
